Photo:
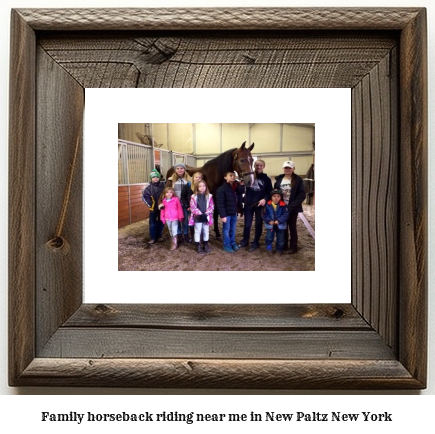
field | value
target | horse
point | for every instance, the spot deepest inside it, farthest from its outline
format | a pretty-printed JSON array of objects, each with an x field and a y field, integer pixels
[{"x": 237, "y": 159}]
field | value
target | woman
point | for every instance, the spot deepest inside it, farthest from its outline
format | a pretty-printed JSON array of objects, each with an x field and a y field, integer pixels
[
  {"x": 178, "y": 181},
  {"x": 293, "y": 194}
]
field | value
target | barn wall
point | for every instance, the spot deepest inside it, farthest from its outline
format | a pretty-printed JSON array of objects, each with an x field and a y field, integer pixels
[
  {"x": 297, "y": 138},
  {"x": 180, "y": 138},
  {"x": 128, "y": 132},
  {"x": 214, "y": 138},
  {"x": 160, "y": 132},
  {"x": 274, "y": 164},
  {"x": 208, "y": 139},
  {"x": 131, "y": 208},
  {"x": 266, "y": 138},
  {"x": 233, "y": 135}
]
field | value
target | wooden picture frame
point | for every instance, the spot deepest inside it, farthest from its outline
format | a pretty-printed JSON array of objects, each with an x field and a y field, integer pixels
[{"x": 376, "y": 342}]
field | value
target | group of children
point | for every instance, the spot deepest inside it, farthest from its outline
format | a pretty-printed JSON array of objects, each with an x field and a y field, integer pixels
[{"x": 183, "y": 202}]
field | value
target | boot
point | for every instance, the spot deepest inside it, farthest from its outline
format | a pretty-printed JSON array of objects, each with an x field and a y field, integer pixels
[
  {"x": 174, "y": 243},
  {"x": 180, "y": 239},
  {"x": 199, "y": 248},
  {"x": 187, "y": 238},
  {"x": 206, "y": 247}
]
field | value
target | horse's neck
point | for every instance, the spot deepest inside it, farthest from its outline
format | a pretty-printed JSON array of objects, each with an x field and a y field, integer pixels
[{"x": 192, "y": 170}]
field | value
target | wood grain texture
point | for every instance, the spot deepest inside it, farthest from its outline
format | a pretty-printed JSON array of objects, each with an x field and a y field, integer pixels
[
  {"x": 126, "y": 342},
  {"x": 251, "y": 317},
  {"x": 377, "y": 342},
  {"x": 228, "y": 374},
  {"x": 413, "y": 198},
  {"x": 220, "y": 18},
  {"x": 59, "y": 278},
  {"x": 374, "y": 200},
  {"x": 131, "y": 208},
  {"x": 236, "y": 60},
  {"x": 22, "y": 125}
]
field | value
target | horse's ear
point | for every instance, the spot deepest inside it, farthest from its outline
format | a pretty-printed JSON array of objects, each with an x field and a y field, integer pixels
[
  {"x": 243, "y": 145},
  {"x": 251, "y": 147}
]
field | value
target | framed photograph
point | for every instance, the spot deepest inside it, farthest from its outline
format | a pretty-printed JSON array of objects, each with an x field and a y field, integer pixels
[
  {"x": 377, "y": 341},
  {"x": 328, "y": 109}
]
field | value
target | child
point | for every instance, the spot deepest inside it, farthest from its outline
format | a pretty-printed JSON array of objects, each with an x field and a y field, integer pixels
[
  {"x": 151, "y": 196},
  {"x": 186, "y": 195},
  {"x": 201, "y": 208},
  {"x": 275, "y": 218},
  {"x": 178, "y": 181},
  {"x": 227, "y": 206},
  {"x": 171, "y": 213},
  {"x": 189, "y": 188}
]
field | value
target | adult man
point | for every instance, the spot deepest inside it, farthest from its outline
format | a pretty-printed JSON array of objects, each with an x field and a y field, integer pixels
[{"x": 255, "y": 198}]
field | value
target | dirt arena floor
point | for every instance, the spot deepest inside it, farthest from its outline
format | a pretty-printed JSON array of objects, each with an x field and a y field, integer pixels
[{"x": 135, "y": 254}]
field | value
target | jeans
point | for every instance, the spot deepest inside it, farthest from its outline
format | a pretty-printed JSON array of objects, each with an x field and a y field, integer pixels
[
  {"x": 183, "y": 227},
  {"x": 229, "y": 230},
  {"x": 279, "y": 238},
  {"x": 156, "y": 225},
  {"x": 248, "y": 213}
]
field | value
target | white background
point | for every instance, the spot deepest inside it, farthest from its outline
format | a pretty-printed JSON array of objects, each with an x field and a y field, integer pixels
[
  {"x": 330, "y": 110},
  {"x": 413, "y": 412}
]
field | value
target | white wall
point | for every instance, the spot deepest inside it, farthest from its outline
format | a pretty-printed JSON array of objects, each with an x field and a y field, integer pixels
[{"x": 204, "y": 139}]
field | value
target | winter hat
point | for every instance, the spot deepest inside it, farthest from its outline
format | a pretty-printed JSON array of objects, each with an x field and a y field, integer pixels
[
  {"x": 180, "y": 165},
  {"x": 276, "y": 192},
  {"x": 289, "y": 163},
  {"x": 154, "y": 174}
]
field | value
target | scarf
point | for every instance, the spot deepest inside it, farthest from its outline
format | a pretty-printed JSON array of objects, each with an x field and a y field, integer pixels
[{"x": 201, "y": 202}]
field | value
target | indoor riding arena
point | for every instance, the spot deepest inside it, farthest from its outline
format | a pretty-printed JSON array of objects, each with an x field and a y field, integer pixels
[{"x": 143, "y": 147}]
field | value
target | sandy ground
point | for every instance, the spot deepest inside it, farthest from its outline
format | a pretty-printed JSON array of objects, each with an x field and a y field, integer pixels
[{"x": 135, "y": 254}]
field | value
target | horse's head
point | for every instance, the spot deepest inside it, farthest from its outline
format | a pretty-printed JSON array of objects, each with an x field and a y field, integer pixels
[{"x": 242, "y": 163}]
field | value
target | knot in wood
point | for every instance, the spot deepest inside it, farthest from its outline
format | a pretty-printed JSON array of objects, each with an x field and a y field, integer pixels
[
  {"x": 58, "y": 244},
  {"x": 338, "y": 313},
  {"x": 103, "y": 309}
]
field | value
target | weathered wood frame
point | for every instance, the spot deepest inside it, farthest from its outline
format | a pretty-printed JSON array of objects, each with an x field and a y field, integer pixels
[{"x": 377, "y": 341}]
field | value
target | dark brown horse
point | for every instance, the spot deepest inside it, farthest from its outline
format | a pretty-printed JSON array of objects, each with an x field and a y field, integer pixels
[{"x": 237, "y": 159}]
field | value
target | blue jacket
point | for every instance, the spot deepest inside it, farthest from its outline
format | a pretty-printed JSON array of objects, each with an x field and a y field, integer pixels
[
  {"x": 281, "y": 214},
  {"x": 151, "y": 194}
]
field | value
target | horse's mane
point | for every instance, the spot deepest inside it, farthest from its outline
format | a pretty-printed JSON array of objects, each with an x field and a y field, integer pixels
[{"x": 223, "y": 161}]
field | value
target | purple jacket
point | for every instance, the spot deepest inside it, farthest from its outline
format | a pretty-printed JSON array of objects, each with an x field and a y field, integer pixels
[
  {"x": 172, "y": 210},
  {"x": 195, "y": 211}
]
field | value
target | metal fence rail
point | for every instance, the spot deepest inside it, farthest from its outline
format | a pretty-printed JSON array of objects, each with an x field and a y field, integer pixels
[{"x": 135, "y": 161}]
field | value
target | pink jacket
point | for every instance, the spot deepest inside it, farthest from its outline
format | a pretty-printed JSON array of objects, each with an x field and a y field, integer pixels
[
  {"x": 195, "y": 211},
  {"x": 172, "y": 210}
]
